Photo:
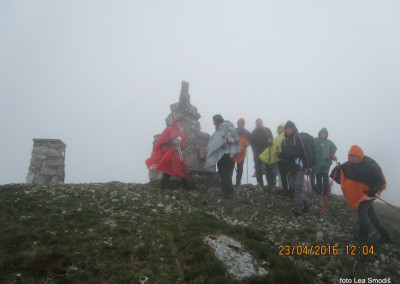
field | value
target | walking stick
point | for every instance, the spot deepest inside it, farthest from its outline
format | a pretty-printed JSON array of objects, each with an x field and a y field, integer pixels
[
  {"x": 185, "y": 171},
  {"x": 329, "y": 190},
  {"x": 307, "y": 184},
  {"x": 247, "y": 162},
  {"x": 395, "y": 207}
]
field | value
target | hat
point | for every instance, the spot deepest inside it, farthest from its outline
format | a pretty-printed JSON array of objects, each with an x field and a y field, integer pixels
[
  {"x": 218, "y": 119},
  {"x": 279, "y": 126},
  {"x": 291, "y": 124},
  {"x": 323, "y": 130},
  {"x": 356, "y": 150}
]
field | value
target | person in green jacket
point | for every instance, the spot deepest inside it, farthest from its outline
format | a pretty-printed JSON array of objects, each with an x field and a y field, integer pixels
[{"x": 324, "y": 151}]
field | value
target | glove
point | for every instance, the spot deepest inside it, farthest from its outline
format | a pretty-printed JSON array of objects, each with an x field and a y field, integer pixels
[
  {"x": 335, "y": 169},
  {"x": 371, "y": 193}
]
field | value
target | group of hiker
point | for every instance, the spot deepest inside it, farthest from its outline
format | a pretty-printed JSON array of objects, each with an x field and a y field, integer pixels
[{"x": 294, "y": 155}]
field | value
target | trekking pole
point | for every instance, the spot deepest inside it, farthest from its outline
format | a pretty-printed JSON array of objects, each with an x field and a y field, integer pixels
[
  {"x": 180, "y": 153},
  {"x": 334, "y": 216},
  {"x": 185, "y": 170},
  {"x": 395, "y": 207},
  {"x": 247, "y": 162},
  {"x": 307, "y": 184},
  {"x": 329, "y": 190}
]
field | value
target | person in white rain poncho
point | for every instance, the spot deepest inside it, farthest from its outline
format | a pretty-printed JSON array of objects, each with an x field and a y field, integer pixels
[{"x": 222, "y": 148}]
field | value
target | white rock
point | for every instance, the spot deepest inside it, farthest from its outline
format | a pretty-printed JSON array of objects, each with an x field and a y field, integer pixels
[{"x": 239, "y": 262}]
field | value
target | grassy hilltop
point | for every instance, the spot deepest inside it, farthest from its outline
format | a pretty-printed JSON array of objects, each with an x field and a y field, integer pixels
[{"x": 117, "y": 232}]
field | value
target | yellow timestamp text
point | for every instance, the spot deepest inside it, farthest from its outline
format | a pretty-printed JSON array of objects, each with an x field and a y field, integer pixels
[{"x": 293, "y": 250}]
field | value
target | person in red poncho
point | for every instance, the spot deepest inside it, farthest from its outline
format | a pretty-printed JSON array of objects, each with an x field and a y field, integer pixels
[
  {"x": 167, "y": 154},
  {"x": 362, "y": 179}
]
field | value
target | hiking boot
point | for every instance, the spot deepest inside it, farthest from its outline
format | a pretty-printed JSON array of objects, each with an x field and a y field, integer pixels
[
  {"x": 297, "y": 214},
  {"x": 306, "y": 209},
  {"x": 238, "y": 189},
  {"x": 228, "y": 195},
  {"x": 188, "y": 186},
  {"x": 260, "y": 187},
  {"x": 282, "y": 192},
  {"x": 165, "y": 186}
]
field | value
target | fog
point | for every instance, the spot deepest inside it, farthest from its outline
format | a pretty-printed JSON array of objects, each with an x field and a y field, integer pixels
[{"x": 101, "y": 75}]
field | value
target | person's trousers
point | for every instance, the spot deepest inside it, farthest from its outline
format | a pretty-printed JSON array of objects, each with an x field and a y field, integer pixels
[
  {"x": 166, "y": 178},
  {"x": 366, "y": 214},
  {"x": 239, "y": 172},
  {"x": 258, "y": 164},
  {"x": 271, "y": 175},
  {"x": 283, "y": 169},
  {"x": 322, "y": 182},
  {"x": 296, "y": 183},
  {"x": 225, "y": 170}
]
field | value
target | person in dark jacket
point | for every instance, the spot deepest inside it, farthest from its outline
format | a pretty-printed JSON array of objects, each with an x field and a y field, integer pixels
[
  {"x": 298, "y": 156},
  {"x": 261, "y": 138},
  {"x": 245, "y": 137},
  {"x": 362, "y": 179},
  {"x": 324, "y": 151}
]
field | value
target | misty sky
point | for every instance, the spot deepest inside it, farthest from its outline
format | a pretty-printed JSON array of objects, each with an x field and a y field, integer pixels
[{"x": 101, "y": 75}]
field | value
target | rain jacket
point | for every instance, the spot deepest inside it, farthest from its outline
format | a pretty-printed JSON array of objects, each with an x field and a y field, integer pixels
[
  {"x": 245, "y": 136},
  {"x": 359, "y": 181},
  {"x": 295, "y": 151},
  {"x": 259, "y": 140},
  {"x": 167, "y": 157},
  {"x": 216, "y": 147},
  {"x": 268, "y": 156},
  {"x": 324, "y": 150}
]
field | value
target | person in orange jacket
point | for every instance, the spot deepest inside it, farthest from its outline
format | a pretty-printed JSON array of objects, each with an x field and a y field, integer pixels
[
  {"x": 362, "y": 179},
  {"x": 245, "y": 136}
]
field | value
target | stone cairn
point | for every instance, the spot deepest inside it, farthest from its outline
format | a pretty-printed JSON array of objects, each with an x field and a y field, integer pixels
[
  {"x": 197, "y": 140},
  {"x": 47, "y": 162}
]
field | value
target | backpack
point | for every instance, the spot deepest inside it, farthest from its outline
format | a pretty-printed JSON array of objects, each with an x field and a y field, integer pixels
[{"x": 308, "y": 141}]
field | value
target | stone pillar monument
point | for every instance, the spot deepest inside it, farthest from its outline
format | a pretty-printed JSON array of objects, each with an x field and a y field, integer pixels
[
  {"x": 47, "y": 162},
  {"x": 197, "y": 140}
]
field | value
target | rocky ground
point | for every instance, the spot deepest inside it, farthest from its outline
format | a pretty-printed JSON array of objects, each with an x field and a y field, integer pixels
[
  {"x": 336, "y": 226},
  {"x": 283, "y": 233}
]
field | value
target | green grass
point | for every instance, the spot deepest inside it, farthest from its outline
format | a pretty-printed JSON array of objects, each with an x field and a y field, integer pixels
[
  {"x": 389, "y": 216},
  {"x": 103, "y": 234}
]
